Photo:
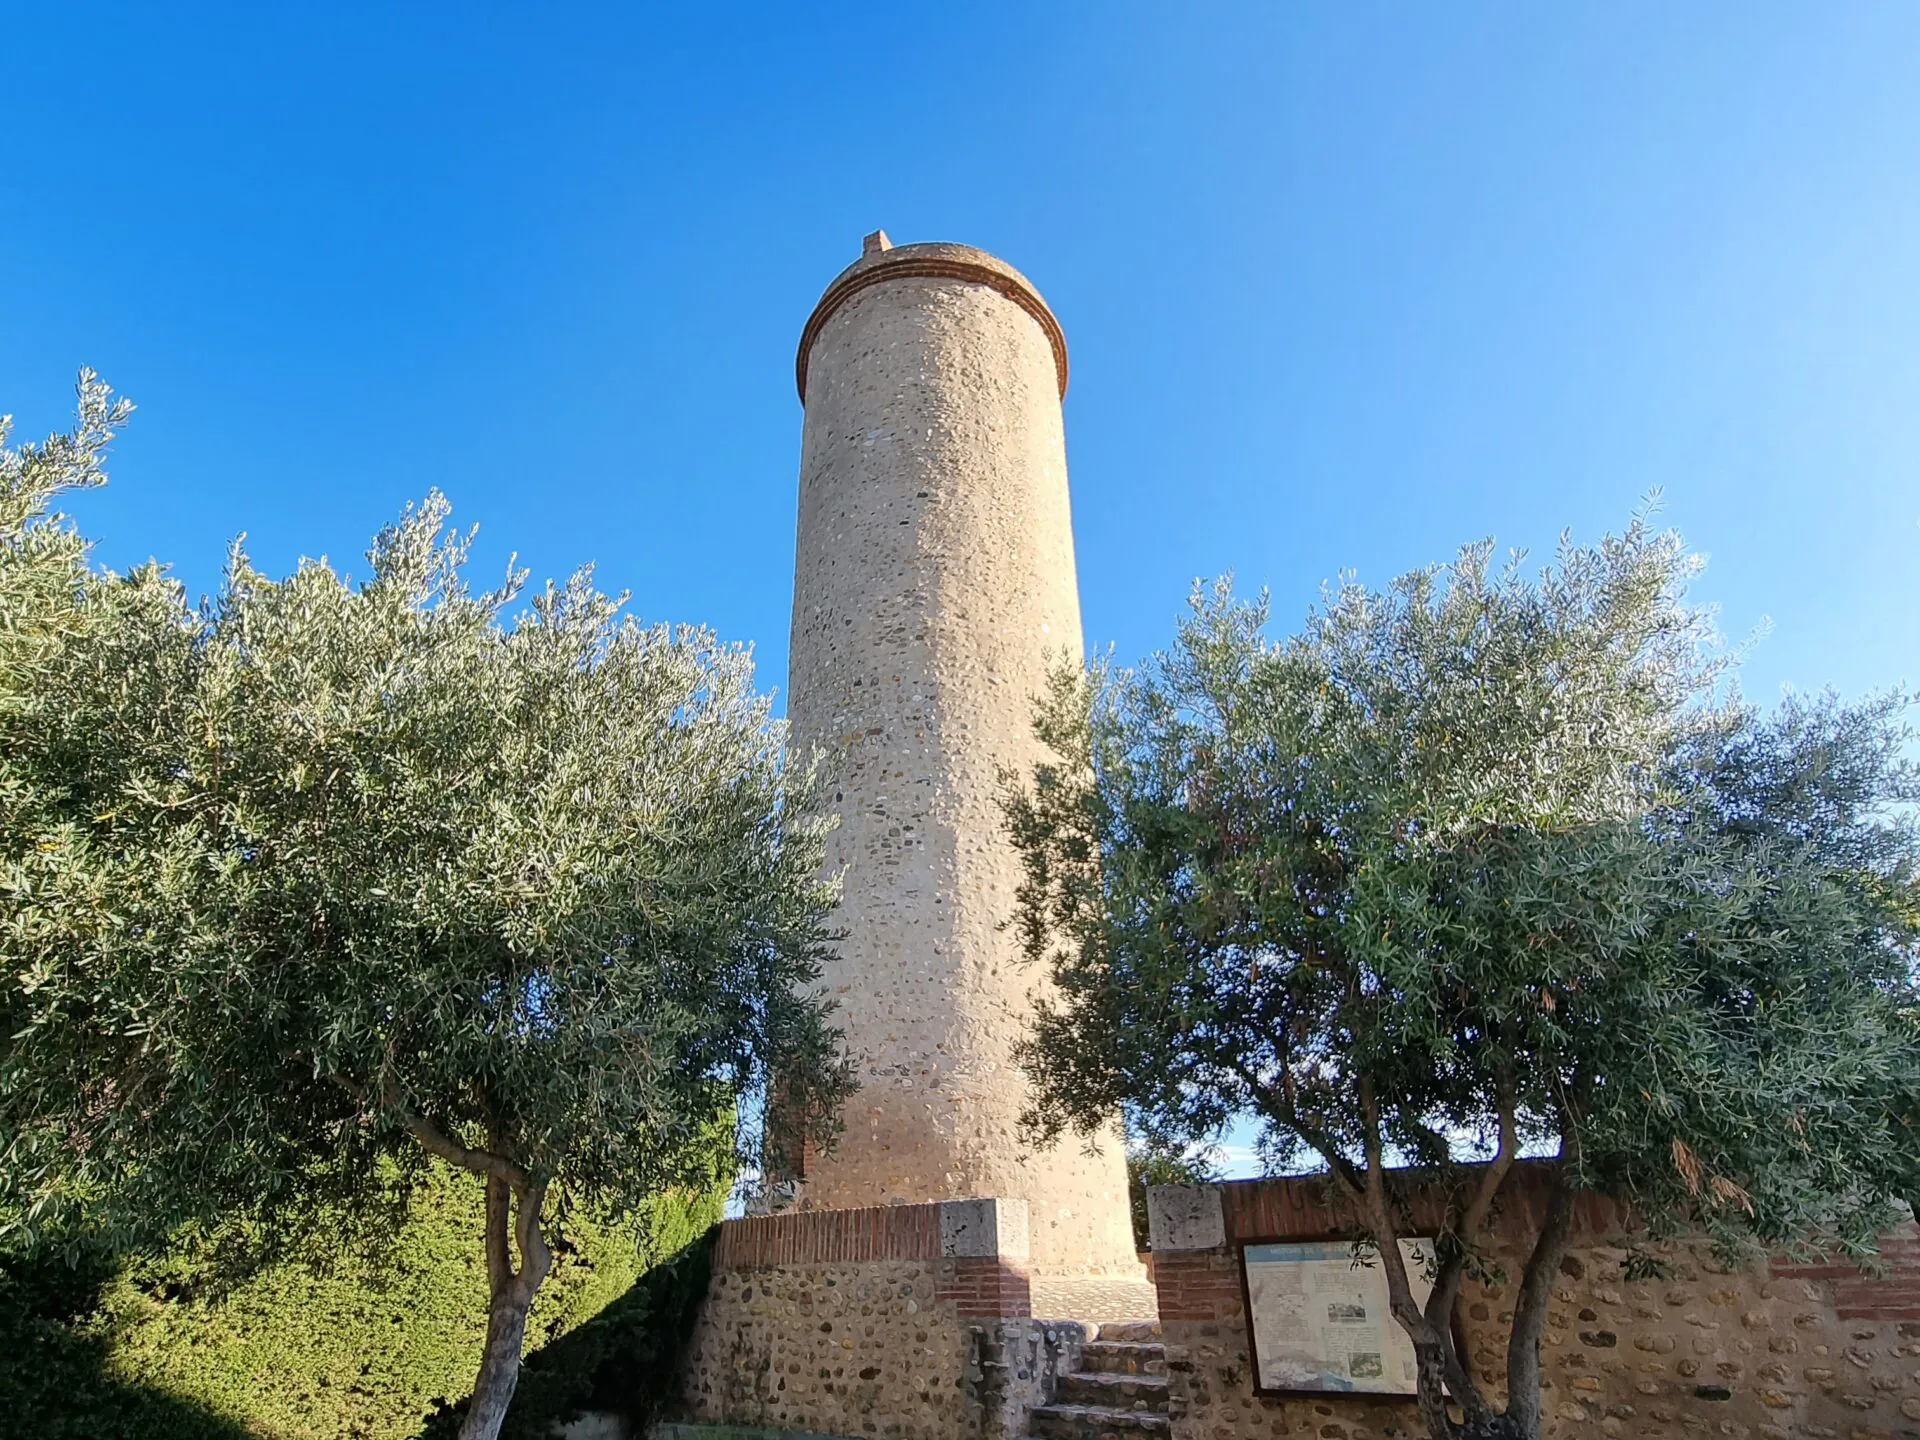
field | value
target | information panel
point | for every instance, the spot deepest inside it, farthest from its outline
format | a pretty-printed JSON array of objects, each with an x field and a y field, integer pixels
[{"x": 1320, "y": 1320}]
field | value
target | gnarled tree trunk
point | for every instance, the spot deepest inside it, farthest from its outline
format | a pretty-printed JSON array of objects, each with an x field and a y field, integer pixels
[
  {"x": 1479, "y": 1422},
  {"x": 510, "y": 1296},
  {"x": 499, "y": 1365},
  {"x": 1530, "y": 1309},
  {"x": 1521, "y": 1418}
]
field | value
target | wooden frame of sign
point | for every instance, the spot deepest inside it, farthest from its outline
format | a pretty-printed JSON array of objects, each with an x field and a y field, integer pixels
[{"x": 1288, "y": 1371}]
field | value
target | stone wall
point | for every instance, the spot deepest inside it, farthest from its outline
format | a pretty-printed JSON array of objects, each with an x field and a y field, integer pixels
[
  {"x": 1772, "y": 1352},
  {"x": 910, "y": 1322}
]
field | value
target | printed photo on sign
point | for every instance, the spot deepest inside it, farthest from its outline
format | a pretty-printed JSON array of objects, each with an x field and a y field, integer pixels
[{"x": 1321, "y": 1320}]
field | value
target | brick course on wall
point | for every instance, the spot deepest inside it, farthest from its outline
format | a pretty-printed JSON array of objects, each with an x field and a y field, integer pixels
[
  {"x": 1890, "y": 1292},
  {"x": 820, "y": 1237},
  {"x": 1774, "y": 1352}
]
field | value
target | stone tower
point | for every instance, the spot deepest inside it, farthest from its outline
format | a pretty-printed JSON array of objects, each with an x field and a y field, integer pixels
[{"x": 934, "y": 585}]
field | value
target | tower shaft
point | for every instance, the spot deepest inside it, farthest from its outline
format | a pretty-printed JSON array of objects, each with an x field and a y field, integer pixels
[{"x": 934, "y": 587}]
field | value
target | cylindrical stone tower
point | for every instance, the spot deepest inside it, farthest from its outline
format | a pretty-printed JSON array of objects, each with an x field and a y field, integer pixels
[{"x": 934, "y": 586}]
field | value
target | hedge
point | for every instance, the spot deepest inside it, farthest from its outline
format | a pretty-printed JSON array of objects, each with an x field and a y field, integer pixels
[{"x": 364, "y": 1349}]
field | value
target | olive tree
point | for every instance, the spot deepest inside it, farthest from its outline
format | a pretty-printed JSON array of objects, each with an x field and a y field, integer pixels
[
  {"x": 1491, "y": 863},
  {"x": 319, "y": 879}
]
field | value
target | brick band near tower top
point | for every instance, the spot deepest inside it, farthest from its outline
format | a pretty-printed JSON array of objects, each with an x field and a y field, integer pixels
[{"x": 885, "y": 262}]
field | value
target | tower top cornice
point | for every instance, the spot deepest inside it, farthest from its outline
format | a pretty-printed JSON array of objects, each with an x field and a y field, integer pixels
[{"x": 883, "y": 261}]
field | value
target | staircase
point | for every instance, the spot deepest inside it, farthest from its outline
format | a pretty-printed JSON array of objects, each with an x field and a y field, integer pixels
[{"x": 1120, "y": 1393}]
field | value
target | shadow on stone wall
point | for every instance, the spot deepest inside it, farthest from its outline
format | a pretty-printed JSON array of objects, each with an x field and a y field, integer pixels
[{"x": 623, "y": 1362}]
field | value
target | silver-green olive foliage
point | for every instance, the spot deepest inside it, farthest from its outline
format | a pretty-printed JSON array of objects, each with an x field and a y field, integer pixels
[
  {"x": 318, "y": 878},
  {"x": 1492, "y": 862}
]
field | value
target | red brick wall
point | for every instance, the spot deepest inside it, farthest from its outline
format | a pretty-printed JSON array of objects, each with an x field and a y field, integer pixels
[
  {"x": 979, "y": 1287},
  {"x": 1310, "y": 1208},
  {"x": 1893, "y": 1293},
  {"x": 1198, "y": 1285},
  {"x": 984, "y": 1288},
  {"x": 827, "y": 1237}
]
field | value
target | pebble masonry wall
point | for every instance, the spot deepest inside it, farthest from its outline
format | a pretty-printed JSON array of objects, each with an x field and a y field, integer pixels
[
  {"x": 934, "y": 585},
  {"x": 1821, "y": 1352},
  {"x": 855, "y": 1323}
]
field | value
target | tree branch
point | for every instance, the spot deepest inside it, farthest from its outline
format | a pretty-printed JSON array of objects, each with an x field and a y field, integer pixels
[
  {"x": 1431, "y": 1348},
  {"x": 1283, "y": 1109},
  {"x": 1495, "y": 1175},
  {"x": 435, "y": 1141},
  {"x": 1474, "y": 1217},
  {"x": 1380, "y": 1213},
  {"x": 535, "y": 1258}
]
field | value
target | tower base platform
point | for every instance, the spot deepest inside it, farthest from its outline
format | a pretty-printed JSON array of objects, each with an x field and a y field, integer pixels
[{"x": 914, "y": 1322}]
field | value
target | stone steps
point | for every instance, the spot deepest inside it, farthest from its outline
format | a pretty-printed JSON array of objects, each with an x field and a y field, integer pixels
[
  {"x": 1092, "y": 1422},
  {"x": 1132, "y": 1331},
  {"x": 1124, "y": 1357},
  {"x": 1113, "y": 1391},
  {"x": 1120, "y": 1394}
]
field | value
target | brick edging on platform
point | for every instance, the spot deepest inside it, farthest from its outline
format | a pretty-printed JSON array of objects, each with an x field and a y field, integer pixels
[
  {"x": 829, "y": 1237},
  {"x": 975, "y": 1249}
]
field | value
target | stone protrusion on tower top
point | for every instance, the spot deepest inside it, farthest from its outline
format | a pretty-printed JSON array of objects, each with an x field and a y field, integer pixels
[
  {"x": 934, "y": 589},
  {"x": 875, "y": 243}
]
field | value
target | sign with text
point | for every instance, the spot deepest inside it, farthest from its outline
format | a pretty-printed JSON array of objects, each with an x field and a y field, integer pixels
[{"x": 1320, "y": 1322}]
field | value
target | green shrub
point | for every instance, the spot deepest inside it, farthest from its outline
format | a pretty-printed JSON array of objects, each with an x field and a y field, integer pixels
[
  {"x": 56, "y": 1375},
  {"x": 364, "y": 1348}
]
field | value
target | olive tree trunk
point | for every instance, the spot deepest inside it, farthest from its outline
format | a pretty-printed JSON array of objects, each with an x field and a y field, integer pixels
[
  {"x": 1530, "y": 1312},
  {"x": 1521, "y": 1418},
  {"x": 510, "y": 1296},
  {"x": 499, "y": 1364},
  {"x": 1479, "y": 1422}
]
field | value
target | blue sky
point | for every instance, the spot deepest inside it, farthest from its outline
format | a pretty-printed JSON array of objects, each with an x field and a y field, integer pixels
[{"x": 1344, "y": 285}]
